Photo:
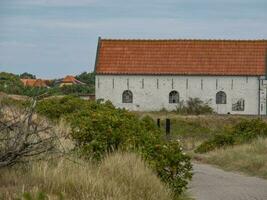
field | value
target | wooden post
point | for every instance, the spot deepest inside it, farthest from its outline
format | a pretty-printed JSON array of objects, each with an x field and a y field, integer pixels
[
  {"x": 168, "y": 127},
  {"x": 158, "y": 123}
]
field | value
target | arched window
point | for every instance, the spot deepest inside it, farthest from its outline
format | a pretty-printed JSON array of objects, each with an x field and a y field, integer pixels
[
  {"x": 220, "y": 97},
  {"x": 127, "y": 96},
  {"x": 174, "y": 97}
]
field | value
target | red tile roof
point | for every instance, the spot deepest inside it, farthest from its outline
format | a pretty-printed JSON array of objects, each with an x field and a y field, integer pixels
[
  {"x": 35, "y": 82},
  {"x": 71, "y": 79},
  {"x": 191, "y": 57}
]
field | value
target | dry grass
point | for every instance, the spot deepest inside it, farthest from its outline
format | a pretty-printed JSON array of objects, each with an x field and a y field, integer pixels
[
  {"x": 119, "y": 176},
  {"x": 247, "y": 158},
  {"x": 192, "y": 130}
]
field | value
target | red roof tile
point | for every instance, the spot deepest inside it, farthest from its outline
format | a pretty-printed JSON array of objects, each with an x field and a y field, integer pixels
[
  {"x": 71, "y": 79},
  {"x": 35, "y": 82},
  {"x": 191, "y": 57}
]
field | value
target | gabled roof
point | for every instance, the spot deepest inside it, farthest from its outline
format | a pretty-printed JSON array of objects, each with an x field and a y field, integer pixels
[
  {"x": 35, "y": 82},
  {"x": 183, "y": 57},
  {"x": 71, "y": 79}
]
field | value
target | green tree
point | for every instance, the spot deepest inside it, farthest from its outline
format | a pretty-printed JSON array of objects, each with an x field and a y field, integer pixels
[
  {"x": 10, "y": 83},
  {"x": 27, "y": 75},
  {"x": 88, "y": 78},
  {"x": 77, "y": 89}
]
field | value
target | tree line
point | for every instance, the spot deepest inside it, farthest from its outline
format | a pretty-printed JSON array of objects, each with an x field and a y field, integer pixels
[{"x": 11, "y": 84}]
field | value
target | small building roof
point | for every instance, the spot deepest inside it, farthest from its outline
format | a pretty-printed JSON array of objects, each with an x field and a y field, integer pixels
[
  {"x": 182, "y": 57},
  {"x": 71, "y": 79},
  {"x": 35, "y": 82}
]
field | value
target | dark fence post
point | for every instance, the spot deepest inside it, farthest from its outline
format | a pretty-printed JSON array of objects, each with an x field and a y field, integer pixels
[
  {"x": 158, "y": 123},
  {"x": 168, "y": 127}
]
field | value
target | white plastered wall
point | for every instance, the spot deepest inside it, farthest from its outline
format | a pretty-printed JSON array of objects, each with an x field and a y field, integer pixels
[{"x": 154, "y": 97}]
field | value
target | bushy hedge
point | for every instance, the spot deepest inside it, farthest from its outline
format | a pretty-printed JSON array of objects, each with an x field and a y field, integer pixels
[
  {"x": 77, "y": 89},
  {"x": 10, "y": 83},
  {"x": 57, "y": 107},
  {"x": 100, "y": 128},
  {"x": 242, "y": 132},
  {"x": 194, "y": 106}
]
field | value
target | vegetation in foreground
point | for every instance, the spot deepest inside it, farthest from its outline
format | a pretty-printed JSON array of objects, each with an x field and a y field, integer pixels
[
  {"x": 193, "y": 130},
  {"x": 118, "y": 176},
  {"x": 249, "y": 158},
  {"x": 243, "y": 132},
  {"x": 246, "y": 153},
  {"x": 98, "y": 130}
]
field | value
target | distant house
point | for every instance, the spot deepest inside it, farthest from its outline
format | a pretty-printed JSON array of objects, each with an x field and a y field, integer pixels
[
  {"x": 35, "y": 82},
  {"x": 149, "y": 75},
  {"x": 70, "y": 80}
]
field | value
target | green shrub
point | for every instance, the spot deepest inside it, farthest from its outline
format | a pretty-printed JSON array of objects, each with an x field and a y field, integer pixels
[
  {"x": 56, "y": 107},
  {"x": 77, "y": 89},
  {"x": 170, "y": 163},
  {"x": 218, "y": 141},
  {"x": 247, "y": 130},
  {"x": 98, "y": 128},
  {"x": 101, "y": 129},
  {"x": 10, "y": 83},
  {"x": 7, "y": 101},
  {"x": 242, "y": 132},
  {"x": 194, "y": 106}
]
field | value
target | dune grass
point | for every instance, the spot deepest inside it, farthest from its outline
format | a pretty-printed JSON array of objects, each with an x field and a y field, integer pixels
[
  {"x": 247, "y": 158},
  {"x": 121, "y": 176},
  {"x": 192, "y": 130}
]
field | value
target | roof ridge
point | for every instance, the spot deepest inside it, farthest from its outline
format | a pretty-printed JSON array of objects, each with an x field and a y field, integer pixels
[{"x": 195, "y": 40}]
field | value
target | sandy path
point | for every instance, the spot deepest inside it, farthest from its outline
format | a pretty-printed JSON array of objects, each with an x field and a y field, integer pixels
[{"x": 210, "y": 183}]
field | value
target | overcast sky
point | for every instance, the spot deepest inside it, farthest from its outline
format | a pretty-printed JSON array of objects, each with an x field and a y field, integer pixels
[{"x": 53, "y": 38}]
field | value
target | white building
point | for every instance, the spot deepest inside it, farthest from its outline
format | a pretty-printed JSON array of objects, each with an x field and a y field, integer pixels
[{"x": 149, "y": 75}]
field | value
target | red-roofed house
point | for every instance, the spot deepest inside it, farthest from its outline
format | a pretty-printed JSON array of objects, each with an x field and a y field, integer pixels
[
  {"x": 35, "y": 82},
  {"x": 149, "y": 75},
  {"x": 70, "y": 80}
]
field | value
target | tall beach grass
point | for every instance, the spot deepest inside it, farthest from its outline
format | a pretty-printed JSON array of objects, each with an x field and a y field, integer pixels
[
  {"x": 248, "y": 158},
  {"x": 121, "y": 176}
]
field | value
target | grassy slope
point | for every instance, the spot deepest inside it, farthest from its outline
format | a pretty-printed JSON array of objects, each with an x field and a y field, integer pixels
[
  {"x": 193, "y": 130},
  {"x": 248, "y": 158},
  {"x": 119, "y": 177}
]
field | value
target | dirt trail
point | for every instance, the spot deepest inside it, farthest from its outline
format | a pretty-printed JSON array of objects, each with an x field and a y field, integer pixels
[{"x": 210, "y": 183}]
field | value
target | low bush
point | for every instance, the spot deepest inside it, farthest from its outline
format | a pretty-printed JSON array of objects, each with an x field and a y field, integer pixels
[
  {"x": 194, "y": 106},
  {"x": 57, "y": 107},
  {"x": 243, "y": 132},
  {"x": 77, "y": 89},
  {"x": 98, "y": 128},
  {"x": 170, "y": 163},
  {"x": 218, "y": 141}
]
